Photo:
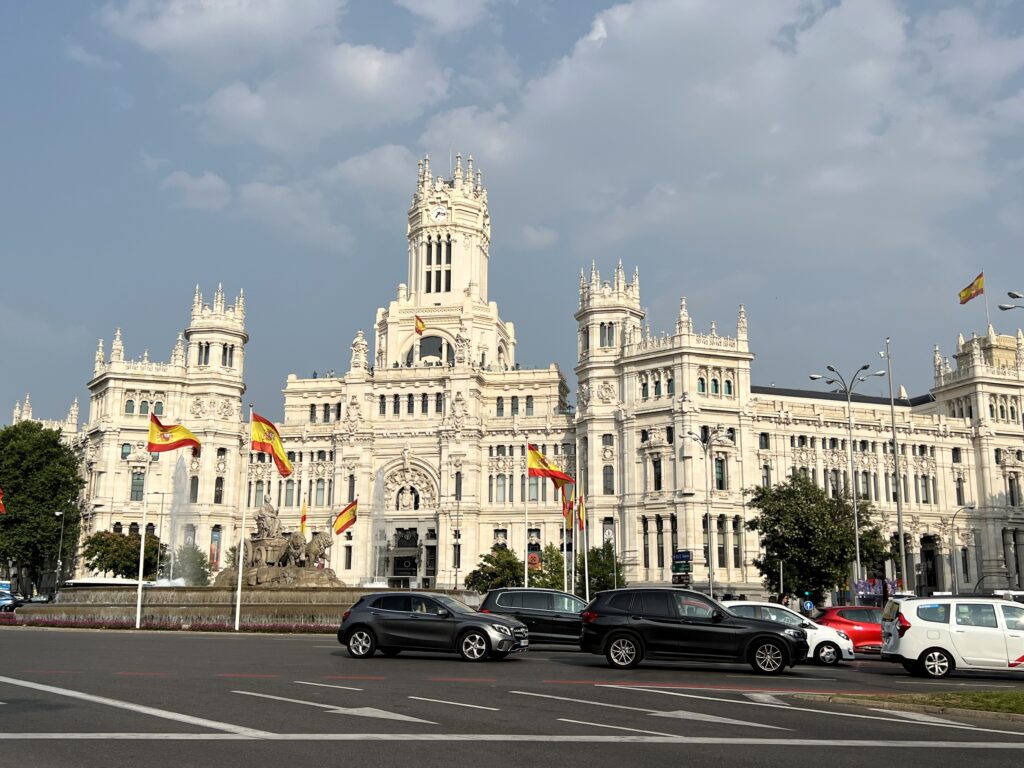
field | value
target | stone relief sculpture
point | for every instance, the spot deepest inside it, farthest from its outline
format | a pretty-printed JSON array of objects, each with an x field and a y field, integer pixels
[
  {"x": 360, "y": 351},
  {"x": 267, "y": 524}
]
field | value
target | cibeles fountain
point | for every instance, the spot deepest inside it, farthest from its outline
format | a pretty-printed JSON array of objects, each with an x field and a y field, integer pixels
[{"x": 272, "y": 557}]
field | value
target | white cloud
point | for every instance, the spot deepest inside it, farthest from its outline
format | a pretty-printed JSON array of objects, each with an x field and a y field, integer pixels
[
  {"x": 214, "y": 38},
  {"x": 151, "y": 162},
  {"x": 297, "y": 211},
  {"x": 79, "y": 55},
  {"x": 389, "y": 168},
  {"x": 535, "y": 237},
  {"x": 205, "y": 192},
  {"x": 331, "y": 90},
  {"x": 448, "y": 15}
]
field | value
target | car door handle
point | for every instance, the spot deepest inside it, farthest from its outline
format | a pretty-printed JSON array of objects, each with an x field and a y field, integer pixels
[{"x": 636, "y": 618}]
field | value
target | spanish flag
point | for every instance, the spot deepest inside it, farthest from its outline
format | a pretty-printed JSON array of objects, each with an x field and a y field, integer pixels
[
  {"x": 567, "y": 502},
  {"x": 267, "y": 439},
  {"x": 976, "y": 288},
  {"x": 346, "y": 517},
  {"x": 581, "y": 513},
  {"x": 168, "y": 438},
  {"x": 420, "y": 326},
  {"x": 538, "y": 466},
  {"x": 3, "y": 509},
  {"x": 302, "y": 520}
]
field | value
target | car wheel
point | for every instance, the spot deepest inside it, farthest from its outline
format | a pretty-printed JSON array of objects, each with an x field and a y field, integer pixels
[
  {"x": 392, "y": 652},
  {"x": 935, "y": 662},
  {"x": 768, "y": 657},
  {"x": 911, "y": 667},
  {"x": 361, "y": 643},
  {"x": 473, "y": 645},
  {"x": 623, "y": 652},
  {"x": 828, "y": 654}
]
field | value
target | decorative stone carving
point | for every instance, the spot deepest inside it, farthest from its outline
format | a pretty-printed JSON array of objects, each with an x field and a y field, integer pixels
[
  {"x": 198, "y": 408},
  {"x": 360, "y": 351},
  {"x": 353, "y": 417},
  {"x": 267, "y": 524},
  {"x": 606, "y": 392},
  {"x": 583, "y": 395},
  {"x": 411, "y": 478}
]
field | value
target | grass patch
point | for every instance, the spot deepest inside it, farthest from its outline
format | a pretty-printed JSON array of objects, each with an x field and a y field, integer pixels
[{"x": 983, "y": 701}]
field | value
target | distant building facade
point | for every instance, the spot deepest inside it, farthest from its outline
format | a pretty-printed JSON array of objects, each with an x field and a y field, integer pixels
[{"x": 429, "y": 432}]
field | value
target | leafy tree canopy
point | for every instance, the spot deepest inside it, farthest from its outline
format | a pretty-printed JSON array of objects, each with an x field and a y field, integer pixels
[
  {"x": 499, "y": 568},
  {"x": 41, "y": 483},
  {"x": 116, "y": 553},
  {"x": 192, "y": 565},
  {"x": 550, "y": 573},
  {"x": 605, "y": 570},
  {"x": 811, "y": 534}
]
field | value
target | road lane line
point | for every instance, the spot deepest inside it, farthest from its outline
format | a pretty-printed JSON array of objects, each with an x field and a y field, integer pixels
[
  {"x": 163, "y": 713},
  {"x": 455, "y": 703},
  {"x": 615, "y": 727},
  {"x": 462, "y": 680},
  {"x": 765, "y": 698},
  {"x": 947, "y": 685},
  {"x": 328, "y": 685},
  {"x": 918, "y": 716},
  {"x": 247, "y": 675},
  {"x": 979, "y": 729},
  {"x": 144, "y": 674},
  {"x": 333, "y": 709},
  {"x": 354, "y": 677}
]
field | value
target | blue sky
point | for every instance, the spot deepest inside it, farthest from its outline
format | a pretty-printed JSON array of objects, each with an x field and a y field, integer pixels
[{"x": 842, "y": 169}]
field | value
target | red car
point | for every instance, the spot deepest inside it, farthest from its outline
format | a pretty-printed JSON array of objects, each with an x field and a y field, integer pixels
[{"x": 861, "y": 622}]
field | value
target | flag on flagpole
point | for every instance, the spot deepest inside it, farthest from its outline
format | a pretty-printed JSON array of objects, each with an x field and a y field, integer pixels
[
  {"x": 169, "y": 437},
  {"x": 976, "y": 288},
  {"x": 581, "y": 512},
  {"x": 266, "y": 439},
  {"x": 346, "y": 518},
  {"x": 538, "y": 465},
  {"x": 302, "y": 519},
  {"x": 567, "y": 499},
  {"x": 3, "y": 509},
  {"x": 420, "y": 326}
]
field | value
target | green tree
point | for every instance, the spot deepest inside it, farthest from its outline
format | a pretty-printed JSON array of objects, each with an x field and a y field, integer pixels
[
  {"x": 604, "y": 569},
  {"x": 41, "y": 483},
  {"x": 192, "y": 565},
  {"x": 811, "y": 535},
  {"x": 110, "y": 552},
  {"x": 550, "y": 575},
  {"x": 499, "y": 568}
]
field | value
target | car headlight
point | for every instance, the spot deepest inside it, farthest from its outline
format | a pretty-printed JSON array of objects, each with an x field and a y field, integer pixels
[
  {"x": 796, "y": 634},
  {"x": 842, "y": 634},
  {"x": 502, "y": 629}
]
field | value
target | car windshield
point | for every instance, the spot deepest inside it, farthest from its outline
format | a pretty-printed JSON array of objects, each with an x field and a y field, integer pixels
[{"x": 453, "y": 605}]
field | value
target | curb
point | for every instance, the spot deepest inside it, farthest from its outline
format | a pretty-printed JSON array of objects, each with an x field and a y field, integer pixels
[{"x": 904, "y": 706}]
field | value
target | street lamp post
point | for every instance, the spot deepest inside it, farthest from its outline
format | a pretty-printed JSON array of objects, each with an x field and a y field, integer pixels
[
  {"x": 847, "y": 389},
  {"x": 1013, "y": 295},
  {"x": 60, "y": 552},
  {"x": 896, "y": 466},
  {"x": 160, "y": 528},
  {"x": 952, "y": 547},
  {"x": 706, "y": 440}
]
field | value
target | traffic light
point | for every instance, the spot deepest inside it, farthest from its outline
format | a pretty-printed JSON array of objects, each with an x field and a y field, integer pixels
[{"x": 807, "y": 593}]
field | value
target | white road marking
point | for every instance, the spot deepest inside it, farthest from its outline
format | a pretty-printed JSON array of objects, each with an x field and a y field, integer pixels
[
  {"x": 354, "y": 711},
  {"x": 765, "y": 698},
  {"x": 805, "y": 709},
  {"x": 455, "y": 703},
  {"x": 946, "y": 685},
  {"x": 917, "y": 716},
  {"x": 657, "y": 713},
  {"x": 615, "y": 727},
  {"x": 786, "y": 743},
  {"x": 798, "y": 679},
  {"x": 331, "y": 647},
  {"x": 165, "y": 714},
  {"x": 328, "y": 685}
]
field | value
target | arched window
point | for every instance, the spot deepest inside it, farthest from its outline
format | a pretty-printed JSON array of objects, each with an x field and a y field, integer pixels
[
  {"x": 1002, "y": 412},
  {"x": 133, "y": 529},
  {"x": 657, "y": 386},
  {"x": 424, "y": 403},
  {"x": 991, "y": 411},
  {"x": 129, "y": 406},
  {"x": 144, "y": 407},
  {"x": 670, "y": 387},
  {"x": 218, "y": 491},
  {"x": 158, "y": 408},
  {"x": 396, "y": 405},
  {"x": 701, "y": 385},
  {"x": 714, "y": 386},
  {"x": 118, "y": 528},
  {"x": 439, "y": 403},
  {"x": 728, "y": 387},
  {"x": 321, "y": 455},
  {"x": 644, "y": 392},
  {"x": 126, "y": 450},
  {"x": 193, "y": 489}
]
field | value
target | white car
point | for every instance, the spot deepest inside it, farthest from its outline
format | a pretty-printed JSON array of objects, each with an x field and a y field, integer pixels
[
  {"x": 825, "y": 644},
  {"x": 932, "y": 636}
]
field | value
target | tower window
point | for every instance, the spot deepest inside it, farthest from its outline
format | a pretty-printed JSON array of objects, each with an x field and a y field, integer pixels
[
  {"x": 144, "y": 408},
  {"x": 448, "y": 264},
  {"x": 396, "y": 405},
  {"x": 383, "y": 405},
  {"x": 129, "y": 406},
  {"x": 193, "y": 489},
  {"x": 515, "y": 405},
  {"x": 439, "y": 403},
  {"x": 529, "y": 405},
  {"x": 714, "y": 386},
  {"x": 158, "y": 408},
  {"x": 425, "y": 403},
  {"x": 500, "y": 407},
  {"x": 701, "y": 385},
  {"x": 218, "y": 491}
]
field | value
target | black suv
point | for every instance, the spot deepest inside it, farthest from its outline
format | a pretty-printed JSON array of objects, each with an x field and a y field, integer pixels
[
  {"x": 392, "y": 622},
  {"x": 627, "y": 625},
  {"x": 550, "y": 615}
]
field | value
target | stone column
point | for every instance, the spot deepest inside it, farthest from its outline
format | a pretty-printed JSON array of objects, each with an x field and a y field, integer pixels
[
  {"x": 913, "y": 560},
  {"x": 1018, "y": 547},
  {"x": 993, "y": 561},
  {"x": 945, "y": 579},
  {"x": 1008, "y": 558}
]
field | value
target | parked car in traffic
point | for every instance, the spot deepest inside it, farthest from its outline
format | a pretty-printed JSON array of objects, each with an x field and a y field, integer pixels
[
  {"x": 827, "y": 645},
  {"x": 392, "y": 622},
  {"x": 550, "y": 615},
  {"x": 932, "y": 636},
  {"x": 10, "y": 601},
  {"x": 862, "y": 623},
  {"x": 633, "y": 623}
]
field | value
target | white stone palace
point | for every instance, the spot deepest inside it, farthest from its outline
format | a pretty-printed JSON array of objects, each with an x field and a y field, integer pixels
[{"x": 429, "y": 432}]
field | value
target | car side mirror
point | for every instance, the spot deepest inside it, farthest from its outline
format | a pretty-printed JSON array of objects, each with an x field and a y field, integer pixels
[
  {"x": 442, "y": 612},
  {"x": 805, "y": 625},
  {"x": 717, "y": 616}
]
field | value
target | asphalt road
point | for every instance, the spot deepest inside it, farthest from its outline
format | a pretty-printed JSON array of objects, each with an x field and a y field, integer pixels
[{"x": 116, "y": 698}]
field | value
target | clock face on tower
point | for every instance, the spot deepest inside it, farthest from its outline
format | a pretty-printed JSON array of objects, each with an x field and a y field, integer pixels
[{"x": 439, "y": 213}]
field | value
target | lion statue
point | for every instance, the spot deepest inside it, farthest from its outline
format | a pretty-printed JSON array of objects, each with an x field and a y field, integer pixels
[
  {"x": 317, "y": 548},
  {"x": 294, "y": 550}
]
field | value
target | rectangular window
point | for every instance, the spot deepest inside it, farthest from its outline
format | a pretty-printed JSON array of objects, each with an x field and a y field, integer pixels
[
  {"x": 720, "y": 546},
  {"x": 138, "y": 486},
  {"x": 439, "y": 403},
  {"x": 458, "y": 486},
  {"x": 608, "y": 441},
  {"x": 956, "y": 455},
  {"x": 529, "y": 405},
  {"x": 396, "y": 405},
  {"x": 608, "y": 480},
  {"x": 721, "y": 481},
  {"x": 348, "y": 557},
  {"x": 515, "y": 405},
  {"x": 499, "y": 408},
  {"x": 656, "y": 471},
  {"x": 425, "y": 404},
  {"x": 218, "y": 491},
  {"x": 763, "y": 441},
  {"x": 457, "y": 556},
  {"x": 410, "y": 405},
  {"x": 289, "y": 494},
  {"x": 647, "y": 552},
  {"x": 383, "y": 406},
  {"x": 737, "y": 543},
  {"x": 661, "y": 541},
  {"x": 533, "y": 488},
  {"x": 766, "y": 476}
]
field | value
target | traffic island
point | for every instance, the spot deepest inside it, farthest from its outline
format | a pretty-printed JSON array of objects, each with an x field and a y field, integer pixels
[{"x": 999, "y": 705}]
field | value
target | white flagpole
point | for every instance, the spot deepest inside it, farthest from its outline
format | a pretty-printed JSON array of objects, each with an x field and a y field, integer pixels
[
  {"x": 565, "y": 548},
  {"x": 526, "y": 519},
  {"x": 240, "y": 552},
  {"x": 142, "y": 543},
  {"x": 573, "y": 527},
  {"x": 586, "y": 555}
]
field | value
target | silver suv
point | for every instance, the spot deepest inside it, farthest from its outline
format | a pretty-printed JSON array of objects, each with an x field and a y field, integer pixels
[{"x": 392, "y": 622}]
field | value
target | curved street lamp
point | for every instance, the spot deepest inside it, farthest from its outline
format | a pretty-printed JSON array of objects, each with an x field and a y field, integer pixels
[
  {"x": 1013, "y": 295},
  {"x": 846, "y": 388},
  {"x": 953, "y": 547},
  {"x": 706, "y": 440}
]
